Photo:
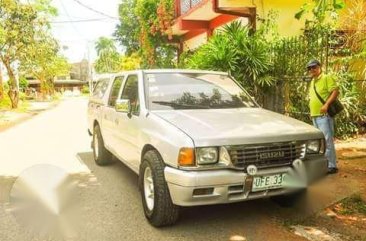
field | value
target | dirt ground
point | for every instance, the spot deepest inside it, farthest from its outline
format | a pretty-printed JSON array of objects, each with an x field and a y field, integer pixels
[
  {"x": 10, "y": 118},
  {"x": 345, "y": 219}
]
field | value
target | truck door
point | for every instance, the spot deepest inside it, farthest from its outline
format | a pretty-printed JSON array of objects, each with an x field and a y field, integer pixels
[
  {"x": 129, "y": 130},
  {"x": 109, "y": 115}
]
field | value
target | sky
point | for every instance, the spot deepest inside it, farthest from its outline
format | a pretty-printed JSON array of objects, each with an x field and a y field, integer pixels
[{"x": 80, "y": 23}]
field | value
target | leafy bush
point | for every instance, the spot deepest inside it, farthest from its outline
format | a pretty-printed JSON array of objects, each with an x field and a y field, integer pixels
[
  {"x": 23, "y": 83},
  {"x": 85, "y": 90},
  {"x": 349, "y": 121},
  {"x": 5, "y": 103},
  {"x": 22, "y": 96},
  {"x": 236, "y": 50}
]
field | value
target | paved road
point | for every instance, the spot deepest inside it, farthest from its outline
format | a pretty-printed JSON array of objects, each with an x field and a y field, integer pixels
[{"x": 108, "y": 200}]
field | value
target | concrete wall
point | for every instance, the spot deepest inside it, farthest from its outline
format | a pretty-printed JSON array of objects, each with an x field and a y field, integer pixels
[
  {"x": 195, "y": 42},
  {"x": 288, "y": 25}
]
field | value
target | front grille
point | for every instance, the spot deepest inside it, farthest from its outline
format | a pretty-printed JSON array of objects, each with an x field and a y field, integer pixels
[{"x": 266, "y": 155}]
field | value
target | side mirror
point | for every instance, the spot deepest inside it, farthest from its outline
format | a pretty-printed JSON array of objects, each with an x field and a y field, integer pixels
[{"x": 123, "y": 105}]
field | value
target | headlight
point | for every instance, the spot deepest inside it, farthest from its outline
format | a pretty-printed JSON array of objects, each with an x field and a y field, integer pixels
[
  {"x": 206, "y": 155},
  {"x": 314, "y": 147}
]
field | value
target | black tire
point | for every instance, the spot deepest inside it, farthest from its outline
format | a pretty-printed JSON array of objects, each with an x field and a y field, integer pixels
[
  {"x": 101, "y": 155},
  {"x": 163, "y": 212},
  {"x": 289, "y": 200}
]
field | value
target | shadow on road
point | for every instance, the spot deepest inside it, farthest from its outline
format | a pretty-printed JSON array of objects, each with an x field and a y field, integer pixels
[
  {"x": 254, "y": 211},
  {"x": 6, "y": 182}
]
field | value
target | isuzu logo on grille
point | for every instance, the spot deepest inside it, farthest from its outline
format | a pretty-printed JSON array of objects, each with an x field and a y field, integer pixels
[{"x": 271, "y": 155}]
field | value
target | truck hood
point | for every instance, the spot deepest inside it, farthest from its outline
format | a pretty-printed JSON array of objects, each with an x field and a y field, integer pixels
[{"x": 238, "y": 126}]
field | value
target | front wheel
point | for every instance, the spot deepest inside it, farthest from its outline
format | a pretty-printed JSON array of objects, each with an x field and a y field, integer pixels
[{"x": 158, "y": 206}]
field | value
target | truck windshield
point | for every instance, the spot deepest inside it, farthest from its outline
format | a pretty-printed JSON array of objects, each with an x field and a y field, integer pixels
[{"x": 194, "y": 91}]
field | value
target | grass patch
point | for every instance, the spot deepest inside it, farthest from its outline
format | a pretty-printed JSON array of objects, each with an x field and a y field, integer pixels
[
  {"x": 352, "y": 205},
  {"x": 23, "y": 106},
  {"x": 5, "y": 103}
]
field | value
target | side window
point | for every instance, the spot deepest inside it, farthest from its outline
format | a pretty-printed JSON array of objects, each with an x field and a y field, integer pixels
[
  {"x": 130, "y": 91},
  {"x": 115, "y": 90},
  {"x": 100, "y": 88}
]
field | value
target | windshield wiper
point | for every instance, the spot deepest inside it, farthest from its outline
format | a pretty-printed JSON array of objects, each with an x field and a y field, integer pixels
[{"x": 180, "y": 106}]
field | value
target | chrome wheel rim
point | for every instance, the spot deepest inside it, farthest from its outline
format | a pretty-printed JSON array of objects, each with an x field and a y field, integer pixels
[
  {"x": 96, "y": 146},
  {"x": 149, "y": 189}
]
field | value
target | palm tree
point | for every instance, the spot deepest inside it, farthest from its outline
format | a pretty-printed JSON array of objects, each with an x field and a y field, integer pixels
[
  {"x": 105, "y": 45},
  {"x": 107, "y": 55}
]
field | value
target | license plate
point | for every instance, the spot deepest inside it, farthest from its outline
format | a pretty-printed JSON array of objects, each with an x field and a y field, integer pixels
[{"x": 261, "y": 183}]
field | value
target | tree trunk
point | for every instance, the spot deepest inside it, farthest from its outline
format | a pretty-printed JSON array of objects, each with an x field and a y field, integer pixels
[
  {"x": 13, "y": 88},
  {"x": 1, "y": 85}
]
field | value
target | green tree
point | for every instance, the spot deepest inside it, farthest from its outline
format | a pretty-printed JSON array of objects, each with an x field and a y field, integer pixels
[
  {"x": 324, "y": 13},
  {"x": 23, "y": 82},
  {"x": 17, "y": 27},
  {"x": 143, "y": 29},
  {"x": 43, "y": 61},
  {"x": 130, "y": 62},
  {"x": 127, "y": 31},
  {"x": 105, "y": 46},
  {"x": 108, "y": 57},
  {"x": 19, "y": 23}
]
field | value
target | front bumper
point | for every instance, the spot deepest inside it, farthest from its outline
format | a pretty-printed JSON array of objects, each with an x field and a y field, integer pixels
[{"x": 233, "y": 185}]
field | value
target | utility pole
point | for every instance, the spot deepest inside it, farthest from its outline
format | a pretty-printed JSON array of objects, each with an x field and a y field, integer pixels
[{"x": 90, "y": 71}]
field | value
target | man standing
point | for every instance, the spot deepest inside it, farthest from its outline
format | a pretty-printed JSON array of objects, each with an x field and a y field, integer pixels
[{"x": 326, "y": 87}]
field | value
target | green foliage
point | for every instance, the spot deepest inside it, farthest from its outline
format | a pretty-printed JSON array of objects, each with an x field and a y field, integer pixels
[
  {"x": 105, "y": 46},
  {"x": 127, "y": 31},
  {"x": 44, "y": 62},
  {"x": 238, "y": 51},
  {"x": 140, "y": 32},
  {"x": 108, "y": 57},
  {"x": 110, "y": 61},
  {"x": 5, "y": 103},
  {"x": 348, "y": 122},
  {"x": 23, "y": 83},
  {"x": 353, "y": 205},
  {"x": 324, "y": 12},
  {"x": 85, "y": 90},
  {"x": 21, "y": 27},
  {"x": 324, "y": 40},
  {"x": 17, "y": 28},
  {"x": 131, "y": 62},
  {"x": 263, "y": 62}
]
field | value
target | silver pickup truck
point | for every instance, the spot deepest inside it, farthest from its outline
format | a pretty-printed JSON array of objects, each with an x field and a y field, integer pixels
[{"x": 197, "y": 138}]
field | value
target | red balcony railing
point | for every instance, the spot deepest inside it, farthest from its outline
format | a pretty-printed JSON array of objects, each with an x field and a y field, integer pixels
[{"x": 183, "y": 6}]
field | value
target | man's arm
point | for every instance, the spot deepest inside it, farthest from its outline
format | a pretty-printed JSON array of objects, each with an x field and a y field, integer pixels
[{"x": 333, "y": 96}]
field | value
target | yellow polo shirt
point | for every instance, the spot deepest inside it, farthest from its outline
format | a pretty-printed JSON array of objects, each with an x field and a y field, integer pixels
[{"x": 325, "y": 84}]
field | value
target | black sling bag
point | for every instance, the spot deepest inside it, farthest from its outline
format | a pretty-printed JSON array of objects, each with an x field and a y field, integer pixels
[{"x": 334, "y": 108}]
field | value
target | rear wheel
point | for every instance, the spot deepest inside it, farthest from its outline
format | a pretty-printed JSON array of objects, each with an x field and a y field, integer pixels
[
  {"x": 101, "y": 155},
  {"x": 158, "y": 206}
]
